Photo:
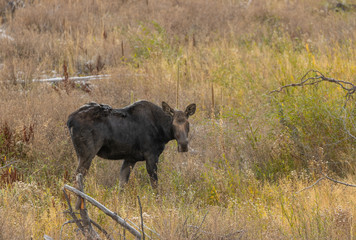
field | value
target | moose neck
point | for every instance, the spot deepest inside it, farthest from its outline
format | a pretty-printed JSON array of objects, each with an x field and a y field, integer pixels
[
  {"x": 168, "y": 129},
  {"x": 165, "y": 125}
]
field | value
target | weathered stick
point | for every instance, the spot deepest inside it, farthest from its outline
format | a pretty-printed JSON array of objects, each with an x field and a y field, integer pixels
[
  {"x": 88, "y": 229},
  {"x": 67, "y": 222},
  {"x": 328, "y": 178},
  {"x": 151, "y": 230},
  {"x": 195, "y": 236},
  {"x": 139, "y": 203},
  {"x": 108, "y": 212},
  {"x": 46, "y": 237},
  {"x": 9, "y": 164},
  {"x": 107, "y": 235},
  {"x": 311, "y": 185},
  {"x": 335, "y": 181},
  {"x": 76, "y": 220}
]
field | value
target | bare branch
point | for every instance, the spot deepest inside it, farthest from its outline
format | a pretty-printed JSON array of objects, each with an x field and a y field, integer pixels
[
  {"x": 201, "y": 224},
  {"x": 345, "y": 128},
  {"x": 317, "y": 181},
  {"x": 46, "y": 237},
  {"x": 349, "y": 87},
  {"x": 70, "y": 211},
  {"x": 329, "y": 178},
  {"x": 107, "y": 235},
  {"x": 9, "y": 164},
  {"x": 108, "y": 212},
  {"x": 185, "y": 222},
  {"x": 67, "y": 222},
  {"x": 229, "y": 235},
  {"x": 89, "y": 231},
  {"x": 151, "y": 230},
  {"x": 143, "y": 231},
  {"x": 336, "y": 181}
]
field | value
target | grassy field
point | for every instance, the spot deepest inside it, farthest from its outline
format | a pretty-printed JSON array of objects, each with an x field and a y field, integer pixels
[{"x": 251, "y": 152}]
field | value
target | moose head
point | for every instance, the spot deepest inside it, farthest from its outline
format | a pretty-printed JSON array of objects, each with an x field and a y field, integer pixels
[{"x": 180, "y": 124}]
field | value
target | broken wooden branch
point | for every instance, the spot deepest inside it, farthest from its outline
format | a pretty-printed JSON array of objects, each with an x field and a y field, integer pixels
[
  {"x": 46, "y": 237},
  {"x": 107, "y": 235},
  {"x": 315, "y": 183},
  {"x": 8, "y": 164},
  {"x": 328, "y": 178},
  {"x": 143, "y": 231},
  {"x": 88, "y": 230},
  {"x": 108, "y": 212},
  {"x": 336, "y": 181},
  {"x": 151, "y": 230},
  {"x": 67, "y": 222},
  {"x": 349, "y": 87},
  {"x": 72, "y": 214},
  {"x": 195, "y": 236}
]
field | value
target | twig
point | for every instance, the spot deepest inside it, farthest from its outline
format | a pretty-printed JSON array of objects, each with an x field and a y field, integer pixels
[
  {"x": 329, "y": 178},
  {"x": 345, "y": 128},
  {"x": 201, "y": 224},
  {"x": 336, "y": 181},
  {"x": 46, "y": 237},
  {"x": 89, "y": 231},
  {"x": 348, "y": 86},
  {"x": 151, "y": 230},
  {"x": 317, "y": 181},
  {"x": 67, "y": 222},
  {"x": 80, "y": 226},
  {"x": 9, "y": 164},
  {"x": 185, "y": 222},
  {"x": 107, "y": 235},
  {"x": 143, "y": 231},
  {"x": 108, "y": 212},
  {"x": 232, "y": 234}
]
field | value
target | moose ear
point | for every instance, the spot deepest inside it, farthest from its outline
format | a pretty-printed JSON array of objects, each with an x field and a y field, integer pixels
[
  {"x": 190, "y": 110},
  {"x": 167, "y": 109}
]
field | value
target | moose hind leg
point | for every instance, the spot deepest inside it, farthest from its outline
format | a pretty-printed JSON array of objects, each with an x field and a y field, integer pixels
[
  {"x": 84, "y": 162},
  {"x": 86, "y": 151},
  {"x": 86, "y": 148},
  {"x": 83, "y": 168},
  {"x": 125, "y": 171}
]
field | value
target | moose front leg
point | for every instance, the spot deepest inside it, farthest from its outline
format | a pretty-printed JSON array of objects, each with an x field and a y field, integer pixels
[{"x": 151, "y": 166}]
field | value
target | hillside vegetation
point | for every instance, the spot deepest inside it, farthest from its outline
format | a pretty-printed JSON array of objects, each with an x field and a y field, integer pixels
[{"x": 251, "y": 152}]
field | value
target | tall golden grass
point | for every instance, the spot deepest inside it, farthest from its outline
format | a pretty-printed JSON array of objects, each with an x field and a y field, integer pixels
[{"x": 250, "y": 151}]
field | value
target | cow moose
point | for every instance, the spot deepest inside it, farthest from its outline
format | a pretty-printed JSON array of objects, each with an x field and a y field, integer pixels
[{"x": 134, "y": 133}]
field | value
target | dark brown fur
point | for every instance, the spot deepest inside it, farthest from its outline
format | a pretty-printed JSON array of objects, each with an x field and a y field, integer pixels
[{"x": 135, "y": 133}]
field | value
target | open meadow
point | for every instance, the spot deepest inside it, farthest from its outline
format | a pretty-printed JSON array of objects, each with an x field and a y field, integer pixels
[{"x": 252, "y": 154}]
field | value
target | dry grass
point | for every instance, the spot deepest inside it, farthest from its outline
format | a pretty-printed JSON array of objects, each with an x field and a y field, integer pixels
[{"x": 245, "y": 163}]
